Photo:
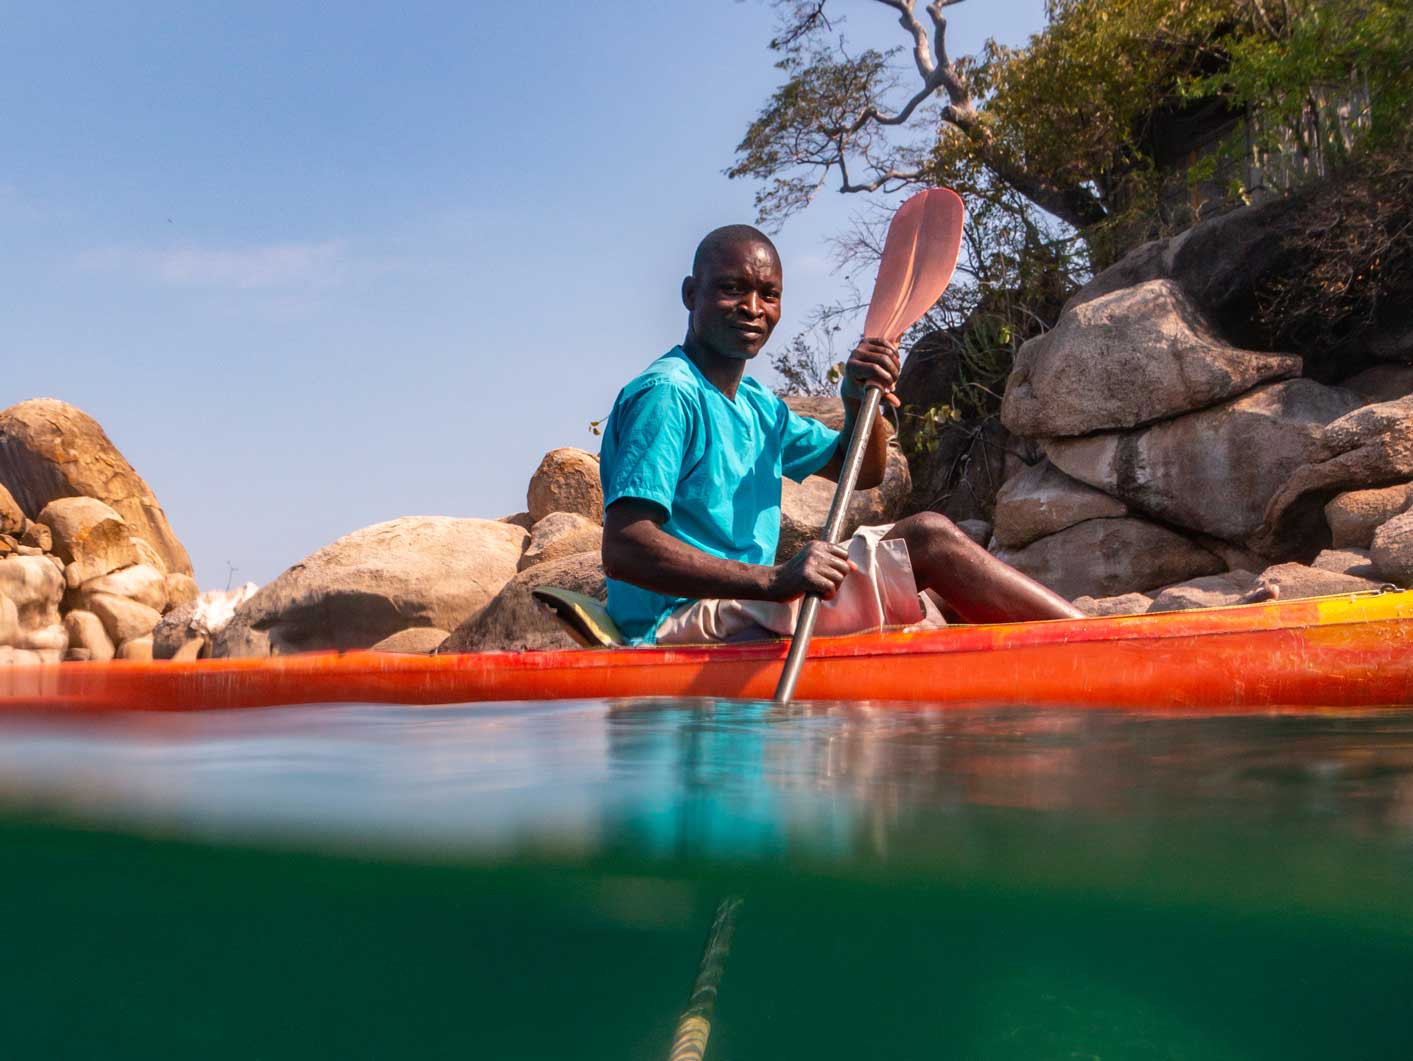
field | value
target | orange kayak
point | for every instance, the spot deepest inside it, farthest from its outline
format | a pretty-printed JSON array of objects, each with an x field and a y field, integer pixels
[{"x": 1351, "y": 651}]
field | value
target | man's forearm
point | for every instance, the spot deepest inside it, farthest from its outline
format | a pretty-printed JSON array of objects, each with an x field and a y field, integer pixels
[
  {"x": 875, "y": 463},
  {"x": 641, "y": 552}
]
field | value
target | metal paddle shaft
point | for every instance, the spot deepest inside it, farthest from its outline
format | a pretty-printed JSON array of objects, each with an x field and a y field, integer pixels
[{"x": 833, "y": 530}]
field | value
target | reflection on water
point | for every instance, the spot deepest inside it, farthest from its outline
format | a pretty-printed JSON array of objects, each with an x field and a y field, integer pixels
[
  {"x": 535, "y": 881},
  {"x": 706, "y": 779}
]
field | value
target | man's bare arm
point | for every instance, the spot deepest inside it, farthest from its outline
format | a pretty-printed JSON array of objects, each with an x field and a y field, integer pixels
[{"x": 636, "y": 549}]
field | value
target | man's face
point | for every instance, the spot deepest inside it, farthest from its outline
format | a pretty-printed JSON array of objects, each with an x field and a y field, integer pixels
[{"x": 734, "y": 303}]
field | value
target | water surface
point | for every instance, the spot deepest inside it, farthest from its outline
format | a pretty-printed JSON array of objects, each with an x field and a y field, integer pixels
[{"x": 536, "y": 881}]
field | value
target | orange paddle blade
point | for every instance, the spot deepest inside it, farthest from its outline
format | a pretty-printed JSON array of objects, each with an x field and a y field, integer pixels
[{"x": 919, "y": 256}]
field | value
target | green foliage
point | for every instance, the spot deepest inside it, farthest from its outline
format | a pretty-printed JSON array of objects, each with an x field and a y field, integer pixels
[{"x": 1291, "y": 50}]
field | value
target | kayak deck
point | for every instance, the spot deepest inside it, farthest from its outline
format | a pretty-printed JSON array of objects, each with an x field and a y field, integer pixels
[{"x": 1348, "y": 651}]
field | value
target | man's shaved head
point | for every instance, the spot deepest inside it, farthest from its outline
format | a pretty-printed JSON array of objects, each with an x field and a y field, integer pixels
[{"x": 728, "y": 236}]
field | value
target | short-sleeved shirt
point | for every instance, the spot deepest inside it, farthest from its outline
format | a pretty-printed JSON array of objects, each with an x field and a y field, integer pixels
[{"x": 711, "y": 463}]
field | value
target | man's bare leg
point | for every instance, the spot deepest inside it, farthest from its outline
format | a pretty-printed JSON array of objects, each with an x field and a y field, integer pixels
[{"x": 975, "y": 585}]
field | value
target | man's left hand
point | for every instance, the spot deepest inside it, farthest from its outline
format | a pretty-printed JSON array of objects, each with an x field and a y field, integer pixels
[{"x": 874, "y": 362}]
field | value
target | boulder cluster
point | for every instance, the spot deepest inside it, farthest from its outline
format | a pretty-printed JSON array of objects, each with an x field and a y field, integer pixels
[
  {"x": 1177, "y": 469},
  {"x": 88, "y": 562}
]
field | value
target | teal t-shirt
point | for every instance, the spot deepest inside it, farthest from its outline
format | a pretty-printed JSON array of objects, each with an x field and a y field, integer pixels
[{"x": 711, "y": 463}]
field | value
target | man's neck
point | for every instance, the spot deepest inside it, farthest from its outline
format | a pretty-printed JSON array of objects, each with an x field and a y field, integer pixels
[{"x": 724, "y": 373}]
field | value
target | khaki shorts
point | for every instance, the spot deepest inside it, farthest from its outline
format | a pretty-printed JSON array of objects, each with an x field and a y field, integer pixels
[{"x": 881, "y": 593}]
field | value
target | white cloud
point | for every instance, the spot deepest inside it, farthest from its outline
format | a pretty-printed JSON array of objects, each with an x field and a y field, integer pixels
[{"x": 271, "y": 265}]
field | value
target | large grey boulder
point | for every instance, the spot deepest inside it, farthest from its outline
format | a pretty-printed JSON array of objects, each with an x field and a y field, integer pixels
[
  {"x": 567, "y": 480},
  {"x": 1214, "y": 470},
  {"x": 49, "y": 449},
  {"x": 1392, "y": 549},
  {"x": 1372, "y": 446},
  {"x": 1354, "y": 515},
  {"x": 516, "y": 622},
  {"x": 1294, "y": 581},
  {"x": 1123, "y": 604},
  {"x": 1110, "y": 557},
  {"x": 1209, "y": 591},
  {"x": 1042, "y": 500},
  {"x": 1346, "y": 562},
  {"x": 415, "y": 571},
  {"x": 1382, "y": 383},
  {"x": 1130, "y": 357}
]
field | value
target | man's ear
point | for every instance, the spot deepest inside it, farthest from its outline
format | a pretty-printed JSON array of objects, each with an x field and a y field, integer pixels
[{"x": 689, "y": 292}]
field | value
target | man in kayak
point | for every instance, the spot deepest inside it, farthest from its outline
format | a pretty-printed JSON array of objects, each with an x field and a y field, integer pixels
[{"x": 691, "y": 464}]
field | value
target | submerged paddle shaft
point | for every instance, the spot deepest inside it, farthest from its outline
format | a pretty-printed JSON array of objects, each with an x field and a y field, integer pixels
[
  {"x": 919, "y": 256},
  {"x": 833, "y": 529},
  {"x": 690, "y": 1041}
]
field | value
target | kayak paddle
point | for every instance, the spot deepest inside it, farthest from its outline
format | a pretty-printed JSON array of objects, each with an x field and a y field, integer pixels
[{"x": 919, "y": 256}]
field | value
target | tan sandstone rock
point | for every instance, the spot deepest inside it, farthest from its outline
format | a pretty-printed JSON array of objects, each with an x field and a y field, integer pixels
[
  {"x": 125, "y": 620},
  {"x": 38, "y": 536},
  {"x": 19, "y": 657},
  {"x": 1353, "y": 516},
  {"x": 49, "y": 449},
  {"x": 141, "y": 583},
  {"x": 415, "y": 640},
  {"x": 1213, "y": 470},
  {"x": 89, "y": 536},
  {"x": 9, "y": 621},
  {"x": 12, "y": 518},
  {"x": 138, "y": 649},
  {"x": 86, "y": 631},
  {"x": 1109, "y": 557},
  {"x": 1042, "y": 500},
  {"x": 561, "y": 534},
  {"x": 515, "y": 621},
  {"x": 181, "y": 589},
  {"x": 50, "y": 641},
  {"x": 1392, "y": 549},
  {"x": 567, "y": 480},
  {"x": 1125, "y": 358},
  {"x": 35, "y": 587},
  {"x": 415, "y": 571},
  {"x": 520, "y": 519},
  {"x": 149, "y": 556}
]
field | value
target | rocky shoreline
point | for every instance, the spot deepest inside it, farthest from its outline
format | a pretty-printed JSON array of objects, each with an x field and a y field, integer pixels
[{"x": 1151, "y": 464}]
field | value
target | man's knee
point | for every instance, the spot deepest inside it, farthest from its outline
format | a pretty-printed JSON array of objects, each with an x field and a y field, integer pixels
[{"x": 929, "y": 532}]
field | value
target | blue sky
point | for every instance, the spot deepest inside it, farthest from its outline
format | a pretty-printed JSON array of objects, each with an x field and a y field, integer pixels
[{"x": 314, "y": 266}]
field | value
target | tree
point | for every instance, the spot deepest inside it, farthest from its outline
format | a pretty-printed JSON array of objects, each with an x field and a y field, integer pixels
[{"x": 1088, "y": 123}]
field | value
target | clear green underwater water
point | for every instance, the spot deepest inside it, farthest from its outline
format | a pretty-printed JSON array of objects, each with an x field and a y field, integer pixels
[{"x": 536, "y": 881}]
